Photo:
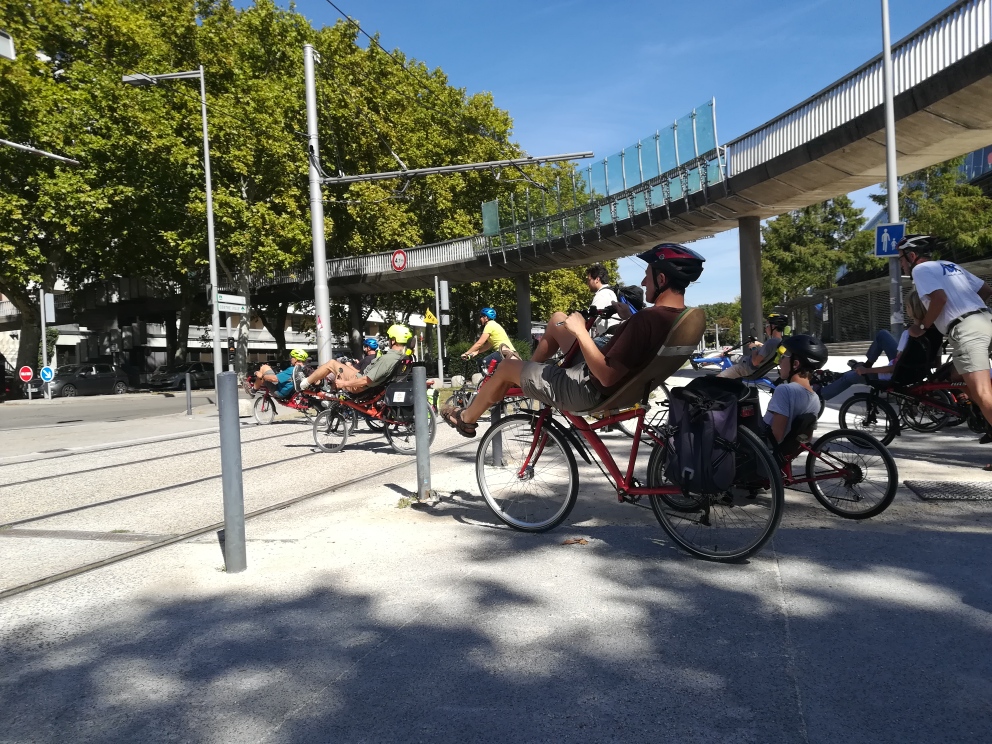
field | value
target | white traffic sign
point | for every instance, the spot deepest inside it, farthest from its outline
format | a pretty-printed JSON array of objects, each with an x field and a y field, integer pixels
[
  {"x": 227, "y": 303},
  {"x": 47, "y": 374},
  {"x": 398, "y": 260},
  {"x": 887, "y": 237},
  {"x": 25, "y": 373}
]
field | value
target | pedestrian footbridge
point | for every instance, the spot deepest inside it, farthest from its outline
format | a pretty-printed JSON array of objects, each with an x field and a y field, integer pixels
[{"x": 681, "y": 184}]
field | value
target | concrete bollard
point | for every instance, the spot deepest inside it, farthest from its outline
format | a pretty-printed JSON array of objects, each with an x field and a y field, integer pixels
[
  {"x": 230, "y": 466},
  {"x": 421, "y": 424}
]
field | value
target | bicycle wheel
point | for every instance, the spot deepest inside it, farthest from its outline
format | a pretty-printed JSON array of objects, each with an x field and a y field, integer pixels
[
  {"x": 727, "y": 526},
  {"x": 263, "y": 409},
  {"x": 869, "y": 415},
  {"x": 869, "y": 479},
  {"x": 534, "y": 497},
  {"x": 403, "y": 437},
  {"x": 922, "y": 414},
  {"x": 330, "y": 430}
]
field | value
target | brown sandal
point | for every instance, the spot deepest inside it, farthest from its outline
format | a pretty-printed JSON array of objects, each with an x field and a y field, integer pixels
[{"x": 452, "y": 416}]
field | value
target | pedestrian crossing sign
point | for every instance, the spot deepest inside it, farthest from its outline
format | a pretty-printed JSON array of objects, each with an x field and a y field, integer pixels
[{"x": 430, "y": 318}]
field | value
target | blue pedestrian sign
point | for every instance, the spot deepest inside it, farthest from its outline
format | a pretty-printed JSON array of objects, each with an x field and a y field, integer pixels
[
  {"x": 47, "y": 374},
  {"x": 887, "y": 237}
]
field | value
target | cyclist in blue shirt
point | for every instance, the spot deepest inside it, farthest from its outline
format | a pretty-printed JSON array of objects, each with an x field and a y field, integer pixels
[{"x": 281, "y": 384}]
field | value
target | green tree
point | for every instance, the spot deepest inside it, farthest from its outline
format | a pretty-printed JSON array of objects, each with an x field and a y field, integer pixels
[{"x": 804, "y": 248}]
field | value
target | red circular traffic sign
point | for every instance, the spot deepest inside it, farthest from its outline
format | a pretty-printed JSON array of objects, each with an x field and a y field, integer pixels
[
  {"x": 25, "y": 373},
  {"x": 399, "y": 260}
]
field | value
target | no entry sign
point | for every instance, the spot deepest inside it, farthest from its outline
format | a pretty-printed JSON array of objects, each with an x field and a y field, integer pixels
[{"x": 25, "y": 373}]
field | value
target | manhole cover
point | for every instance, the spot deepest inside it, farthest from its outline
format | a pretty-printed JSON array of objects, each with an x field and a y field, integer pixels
[{"x": 951, "y": 490}]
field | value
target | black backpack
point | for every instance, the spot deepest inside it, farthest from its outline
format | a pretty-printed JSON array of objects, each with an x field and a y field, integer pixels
[
  {"x": 704, "y": 417},
  {"x": 630, "y": 295}
]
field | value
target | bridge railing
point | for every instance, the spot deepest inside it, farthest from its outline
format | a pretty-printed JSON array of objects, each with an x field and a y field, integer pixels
[{"x": 960, "y": 30}]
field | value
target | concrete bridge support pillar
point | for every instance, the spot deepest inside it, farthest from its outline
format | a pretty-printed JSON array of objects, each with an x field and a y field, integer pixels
[
  {"x": 523, "y": 307},
  {"x": 750, "y": 246}
]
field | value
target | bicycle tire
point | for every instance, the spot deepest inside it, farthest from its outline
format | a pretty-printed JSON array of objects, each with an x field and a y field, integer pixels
[
  {"x": 728, "y": 526},
  {"x": 859, "y": 452},
  {"x": 917, "y": 415},
  {"x": 330, "y": 430},
  {"x": 403, "y": 437},
  {"x": 869, "y": 414},
  {"x": 544, "y": 497},
  {"x": 263, "y": 410}
]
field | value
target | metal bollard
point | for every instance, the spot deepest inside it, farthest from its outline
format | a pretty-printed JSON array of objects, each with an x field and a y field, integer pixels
[
  {"x": 497, "y": 414},
  {"x": 421, "y": 424},
  {"x": 230, "y": 467},
  {"x": 189, "y": 395}
]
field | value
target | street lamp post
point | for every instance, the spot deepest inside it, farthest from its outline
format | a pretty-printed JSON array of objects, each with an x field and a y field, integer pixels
[{"x": 142, "y": 81}]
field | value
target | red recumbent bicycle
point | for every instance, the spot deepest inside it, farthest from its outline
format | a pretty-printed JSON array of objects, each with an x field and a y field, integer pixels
[
  {"x": 529, "y": 478},
  {"x": 388, "y": 408},
  {"x": 263, "y": 408}
]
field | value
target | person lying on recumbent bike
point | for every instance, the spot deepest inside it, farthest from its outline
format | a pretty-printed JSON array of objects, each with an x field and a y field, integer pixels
[
  {"x": 595, "y": 374},
  {"x": 281, "y": 384},
  {"x": 350, "y": 380},
  {"x": 794, "y": 397}
]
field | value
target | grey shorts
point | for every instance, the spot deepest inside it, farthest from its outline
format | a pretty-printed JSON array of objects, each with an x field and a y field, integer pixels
[
  {"x": 972, "y": 339},
  {"x": 569, "y": 389}
]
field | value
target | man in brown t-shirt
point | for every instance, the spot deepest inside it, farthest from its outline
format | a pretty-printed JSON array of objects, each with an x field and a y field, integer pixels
[{"x": 597, "y": 374}]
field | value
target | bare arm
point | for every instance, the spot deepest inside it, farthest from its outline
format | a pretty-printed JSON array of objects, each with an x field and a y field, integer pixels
[
  {"x": 985, "y": 291},
  {"x": 478, "y": 345},
  {"x": 780, "y": 424},
  {"x": 352, "y": 386},
  {"x": 938, "y": 298},
  {"x": 607, "y": 374}
]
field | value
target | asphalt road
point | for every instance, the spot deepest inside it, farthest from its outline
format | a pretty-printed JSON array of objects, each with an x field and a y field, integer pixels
[{"x": 96, "y": 408}]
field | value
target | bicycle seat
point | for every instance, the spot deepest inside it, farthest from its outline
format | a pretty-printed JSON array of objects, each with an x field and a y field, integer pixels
[
  {"x": 800, "y": 433},
  {"x": 678, "y": 346}
]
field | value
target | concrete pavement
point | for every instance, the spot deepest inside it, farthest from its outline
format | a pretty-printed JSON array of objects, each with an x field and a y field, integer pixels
[{"x": 358, "y": 620}]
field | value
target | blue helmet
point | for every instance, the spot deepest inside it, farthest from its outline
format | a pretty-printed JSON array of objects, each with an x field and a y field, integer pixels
[
  {"x": 371, "y": 343},
  {"x": 489, "y": 313}
]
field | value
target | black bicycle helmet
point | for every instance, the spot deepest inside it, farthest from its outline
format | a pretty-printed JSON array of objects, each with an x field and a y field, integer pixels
[
  {"x": 778, "y": 321},
  {"x": 922, "y": 245},
  {"x": 809, "y": 351},
  {"x": 680, "y": 264}
]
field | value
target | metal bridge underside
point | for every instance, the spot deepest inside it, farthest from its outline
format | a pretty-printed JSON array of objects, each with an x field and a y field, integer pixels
[{"x": 948, "y": 114}]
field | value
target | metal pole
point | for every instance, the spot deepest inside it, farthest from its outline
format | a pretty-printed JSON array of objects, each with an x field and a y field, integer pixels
[
  {"x": 211, "y": 247},
  {"x": 189, "y": 395},
  {"x": 230, "y": 467},
  {"x": 421, "y": 425},
  {"x": 440, "y": 348},
  {"x": 44, "y": 341},
  {"x": 321, "y": 294},
  {"x": 891, "y": 174},
  {"x": 228, "y": 361}
]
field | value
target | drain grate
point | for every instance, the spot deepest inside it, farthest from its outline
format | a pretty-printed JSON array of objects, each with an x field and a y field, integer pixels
[{"x": 951, "y": 490}]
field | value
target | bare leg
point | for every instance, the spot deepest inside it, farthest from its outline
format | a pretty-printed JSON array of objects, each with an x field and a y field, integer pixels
[
  {"x": 264, "y": 374},
  {"x": 555, "y": 337},
  {"x": 980, "y": 391},
  {"x": 507, "y": 375},
  {"x": 335, "y": 367}
]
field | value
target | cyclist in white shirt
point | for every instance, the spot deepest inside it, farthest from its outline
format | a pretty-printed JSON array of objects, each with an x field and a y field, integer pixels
[
  {"x": 603, "y": 296},
  {"x": 956, "y": 302}
]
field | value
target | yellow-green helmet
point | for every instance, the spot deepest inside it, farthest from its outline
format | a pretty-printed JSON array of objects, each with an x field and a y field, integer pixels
[
  {"x": 399, "y": 333},
  {"x": 299, "y": 355}
]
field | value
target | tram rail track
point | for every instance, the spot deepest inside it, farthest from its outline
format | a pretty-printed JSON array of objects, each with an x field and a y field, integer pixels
[{"x": 172, "y": 540}]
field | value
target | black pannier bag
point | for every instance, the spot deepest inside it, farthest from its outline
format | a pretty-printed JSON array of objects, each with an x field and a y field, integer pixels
[
  {"x": 400, "y": 394},
  {"x": 704, "y": 417}
]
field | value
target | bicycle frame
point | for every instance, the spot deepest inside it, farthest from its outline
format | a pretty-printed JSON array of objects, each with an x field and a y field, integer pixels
[
  {"x": 623, "y": 482},
  {"x": 917, "y": 392}
]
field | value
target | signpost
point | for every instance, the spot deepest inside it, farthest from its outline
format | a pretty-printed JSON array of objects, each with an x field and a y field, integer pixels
[
  {"x": 26, "y": 374},
  {"x": 232, "y": 304},
  {"x": 887, "y": 237},
  {"x": 399, "y": 260}
]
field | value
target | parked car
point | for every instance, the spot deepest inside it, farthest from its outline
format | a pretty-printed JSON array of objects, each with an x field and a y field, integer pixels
[
  {"x": 201, "y": 376},
  {"x": 88, "y": 379}
]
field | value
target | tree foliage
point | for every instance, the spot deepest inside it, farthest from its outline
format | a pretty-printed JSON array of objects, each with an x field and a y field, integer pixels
[{"x": 804, "y": 248}]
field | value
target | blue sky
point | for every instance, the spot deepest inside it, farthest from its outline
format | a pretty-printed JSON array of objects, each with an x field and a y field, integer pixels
[{"x": 582, "y": 75}]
